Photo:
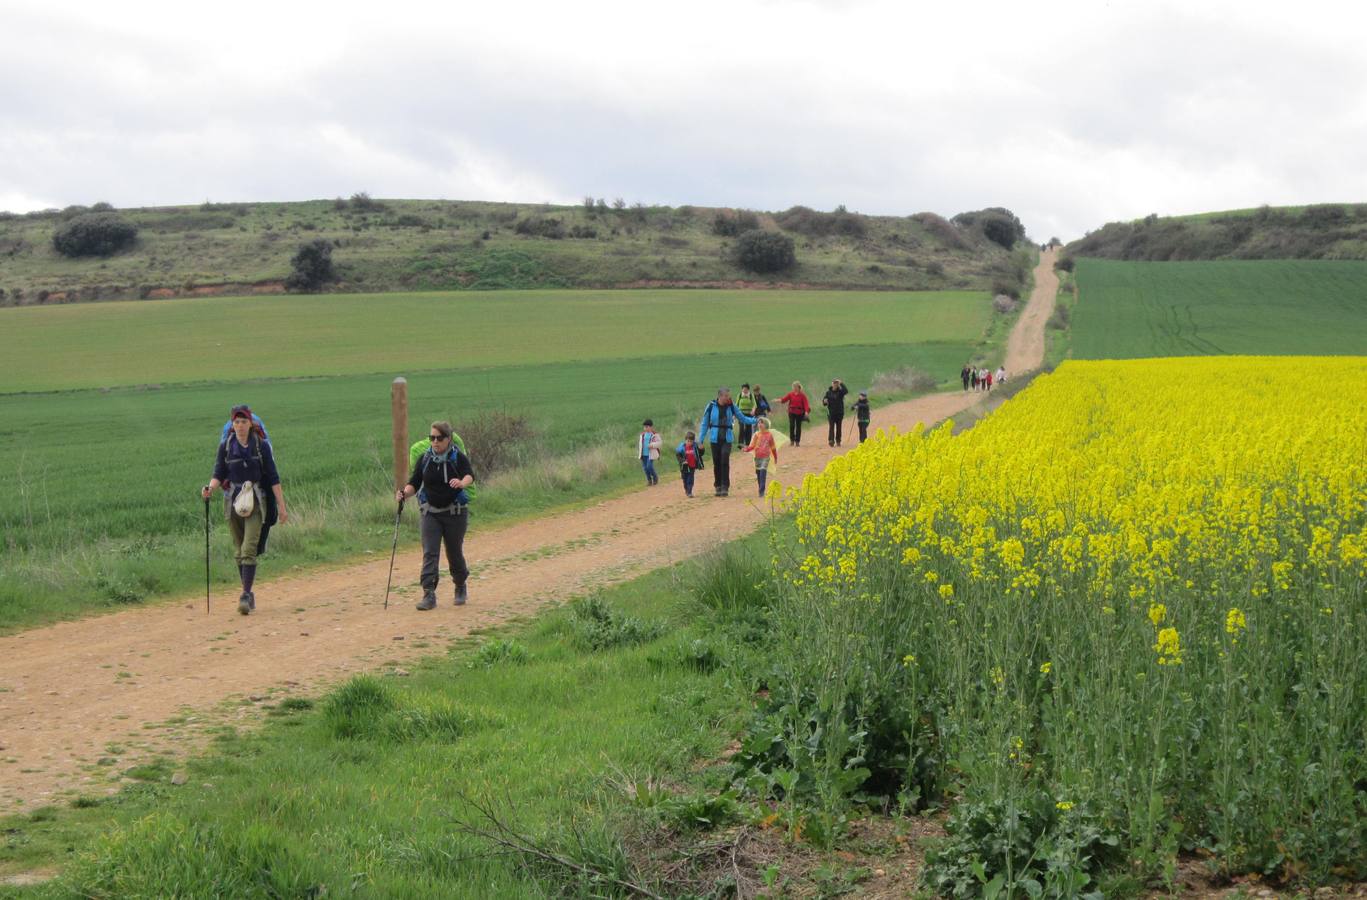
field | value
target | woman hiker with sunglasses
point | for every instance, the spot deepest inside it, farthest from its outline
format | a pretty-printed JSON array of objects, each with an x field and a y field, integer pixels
[{"x": 439, "y": 478}]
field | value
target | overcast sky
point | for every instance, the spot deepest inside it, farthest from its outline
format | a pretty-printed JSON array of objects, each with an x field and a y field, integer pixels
[{"x": 1071, "y": 114}]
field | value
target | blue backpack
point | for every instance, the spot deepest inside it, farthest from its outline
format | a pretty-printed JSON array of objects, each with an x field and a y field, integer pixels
[{"x": 270, "y": 515}]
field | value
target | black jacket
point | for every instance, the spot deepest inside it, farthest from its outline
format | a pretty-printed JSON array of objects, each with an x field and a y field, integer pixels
[{"x": 834, "y": 401}]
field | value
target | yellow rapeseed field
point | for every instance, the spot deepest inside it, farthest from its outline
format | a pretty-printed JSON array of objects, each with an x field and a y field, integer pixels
[{"x": 1135, "y": 590}]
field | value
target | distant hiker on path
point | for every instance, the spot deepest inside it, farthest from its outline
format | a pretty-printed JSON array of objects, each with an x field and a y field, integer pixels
[
  {"x": 1001, "y": 375},
  {"x": 648, "y": 448},
  {"x": 246, "y": 465},
  {"x": 798, "y": 408},
  {"x": 834, "y": 401},
  {"x": 761, "y": 402},
  {"x": 689, "y": 455},
  {"x": 965, "y": 374},
  {"x": 439, "y": 478},
  {"x": 715, "y": 428},
  {"x": 861, "y": 415},
  {"x": 746, "y": 404}
]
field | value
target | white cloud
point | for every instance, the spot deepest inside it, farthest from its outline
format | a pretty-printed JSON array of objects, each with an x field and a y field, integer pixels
[{"x": 1070, "y": 113}]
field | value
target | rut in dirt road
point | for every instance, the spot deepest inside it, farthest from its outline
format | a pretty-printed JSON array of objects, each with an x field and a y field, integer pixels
[{"x": 83, "y": 701}]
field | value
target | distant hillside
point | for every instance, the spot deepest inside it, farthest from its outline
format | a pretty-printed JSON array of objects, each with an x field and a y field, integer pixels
[
  {"x": 1326, "y": 231},
  {"x": 403, "y": 245}
]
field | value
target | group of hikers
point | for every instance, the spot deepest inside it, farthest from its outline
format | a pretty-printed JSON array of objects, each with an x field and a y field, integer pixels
[
  {"x": 442, "y": 478},
  {"x": 744, "y": 421},
  {"x": 976, "y": 379}
]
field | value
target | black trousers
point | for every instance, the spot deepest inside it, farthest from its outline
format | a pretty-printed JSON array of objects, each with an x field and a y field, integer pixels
[
  {"x": 863, "y": 432},
  {"x": 833, "y": 427},
  {"x": 746, "y": 432},
  {"x": 721, "y": 466},
  {"x": 794, "y": 429},
  {"x": 438, "y": 529}
]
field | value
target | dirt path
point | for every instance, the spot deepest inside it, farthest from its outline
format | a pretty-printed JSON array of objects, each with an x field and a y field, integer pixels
[
  {"x": 1025, "y": 346},
  {"x": 82, "y": 702}
]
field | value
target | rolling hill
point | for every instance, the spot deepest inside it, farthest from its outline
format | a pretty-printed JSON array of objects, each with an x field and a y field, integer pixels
[{"x": 412, "y": 245}]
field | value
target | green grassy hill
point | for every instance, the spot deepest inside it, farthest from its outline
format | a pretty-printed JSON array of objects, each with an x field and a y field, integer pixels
[
  {"x": 413, "y": 245},
  {"x": 1136, "y": 309},
  {"x": 1325, "y": 231}
]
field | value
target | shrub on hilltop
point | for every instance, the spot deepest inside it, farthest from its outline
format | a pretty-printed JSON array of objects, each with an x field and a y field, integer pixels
[
  {"x": 765, "y": 251},
  {"x": 734, "y": 222},
  {"x": 311, "y": 267},
  {"x": 810, "y": 222},
  {"x": 94, "y": 234}
]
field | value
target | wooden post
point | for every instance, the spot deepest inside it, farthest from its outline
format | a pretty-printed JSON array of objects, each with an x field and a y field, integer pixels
[{"x": 399, "y": 408}]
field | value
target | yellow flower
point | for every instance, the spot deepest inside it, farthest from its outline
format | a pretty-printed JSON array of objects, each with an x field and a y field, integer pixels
[
  {"x": 1235, "y": 621},
  {"x": 1064, "y": 805},
  {"x": 1046, "y": 667},
  {"x": 947, "y": 591},
  {"x": 1169, "y": 647},
  {"x": 1157, "y": 613},
  {"x": 998, "y": 676}
]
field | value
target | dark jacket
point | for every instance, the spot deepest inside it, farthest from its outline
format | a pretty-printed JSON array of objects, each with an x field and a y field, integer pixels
[
  {"x": 431, "y": 474},
  {"x": 834, "y": 401},
  {"x": 761, "y": 404},
  {"x": 254, "y": 462},
  {"x": 861, "y": 410}
]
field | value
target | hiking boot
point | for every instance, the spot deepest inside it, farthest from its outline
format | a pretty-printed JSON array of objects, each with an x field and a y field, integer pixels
[
  {"x": 462, "y": 594},
  {"x": 244, "y": 603},
  {"x": 429, "y": 600},
  {"x": 251, "y": 600}
]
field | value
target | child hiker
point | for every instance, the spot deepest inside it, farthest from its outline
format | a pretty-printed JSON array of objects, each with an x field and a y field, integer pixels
[
  {"x": 648, "y": 448},
  {"x": 689, "y": 455},
  {"x": 762, "y": 445},
  {"x": 861, "y": 415}
]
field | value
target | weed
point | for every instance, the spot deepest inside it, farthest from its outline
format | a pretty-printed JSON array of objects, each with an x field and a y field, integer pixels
[{"x": 596, "y": 625}]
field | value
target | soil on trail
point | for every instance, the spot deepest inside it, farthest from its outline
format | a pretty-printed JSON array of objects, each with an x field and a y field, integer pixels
[
  {"x": 1025, "y": 346},
  {"x": 82, "y": 702}
]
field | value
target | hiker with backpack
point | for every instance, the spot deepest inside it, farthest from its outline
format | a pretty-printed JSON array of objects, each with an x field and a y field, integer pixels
[
  {"x": 441, "y": 478},
  {"x": 861, "y": 415},
  {"x": 746, "y": 403},
  {"x": 689, "y": 455},
  {"x": 245, "y": 469},
  {"x": 761, "y": 401},
  {"x": 717, "y": 428}
]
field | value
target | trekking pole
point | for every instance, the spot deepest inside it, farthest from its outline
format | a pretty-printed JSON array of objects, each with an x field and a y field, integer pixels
[
  {"x": 392, "y": 554},
  {"x": 206, "y": 556}
]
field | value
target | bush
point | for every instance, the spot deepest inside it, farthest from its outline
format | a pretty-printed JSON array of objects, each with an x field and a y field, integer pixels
[
  {"x": 94, "y": 234},
  {"x": 1065, "y": 264},
  {"x": 494, "y": 440},
  {"x": 942, "y": 230},
  {"x": 362, "y": 202},
  {"x": 734, "y": 222},
  {"x": 997, "y": 224},
  {"x": 1003, "y": 303},
  {"x": 904, "y": 379},
  {"x": 809, "y": 222},
  {"x": 311, "y": 267},
  {"x": 765, "y": 251},
  {"x": 537, "y": 226}
]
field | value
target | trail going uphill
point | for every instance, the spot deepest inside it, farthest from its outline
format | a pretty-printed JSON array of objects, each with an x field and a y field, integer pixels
[{"x": 83, "y": 701}]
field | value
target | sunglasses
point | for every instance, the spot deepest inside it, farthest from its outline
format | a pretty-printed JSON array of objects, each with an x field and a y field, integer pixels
[{"x": 434, "y": 438}]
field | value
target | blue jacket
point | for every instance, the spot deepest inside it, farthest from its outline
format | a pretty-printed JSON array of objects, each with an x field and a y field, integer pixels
[{"x": 715, "y": 425}]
